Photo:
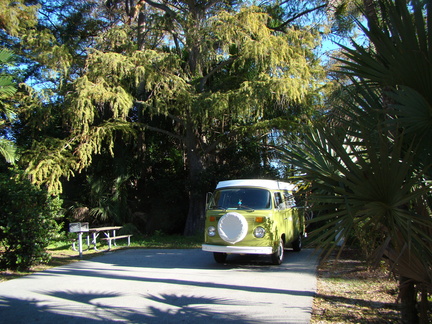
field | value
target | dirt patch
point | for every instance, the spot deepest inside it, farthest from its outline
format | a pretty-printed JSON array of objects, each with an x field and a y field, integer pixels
[{"x": 350, "y": 292}]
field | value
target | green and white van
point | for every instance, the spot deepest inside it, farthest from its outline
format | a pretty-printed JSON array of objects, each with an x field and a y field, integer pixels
[{"x": 252, "y": 217}]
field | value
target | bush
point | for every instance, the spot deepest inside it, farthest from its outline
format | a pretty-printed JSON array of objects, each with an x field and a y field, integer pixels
[{"x": 27, "y": 222}]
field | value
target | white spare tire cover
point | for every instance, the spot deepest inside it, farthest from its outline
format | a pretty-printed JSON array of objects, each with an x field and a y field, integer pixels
[{"x": 232, "y": 227}]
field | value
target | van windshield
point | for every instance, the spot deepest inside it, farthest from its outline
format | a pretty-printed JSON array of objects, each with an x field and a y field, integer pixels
[{"x": 237, "y": 198}]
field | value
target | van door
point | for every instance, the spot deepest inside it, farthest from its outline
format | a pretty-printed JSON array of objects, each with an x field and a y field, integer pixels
[
  {"x": 293, "y": 225},
  {"x": 282, "y": 212},
  {"x": 296, "y": 220}
]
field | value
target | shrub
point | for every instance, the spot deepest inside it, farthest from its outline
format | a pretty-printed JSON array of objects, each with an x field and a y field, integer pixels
[{"x": 27, "y": 222}]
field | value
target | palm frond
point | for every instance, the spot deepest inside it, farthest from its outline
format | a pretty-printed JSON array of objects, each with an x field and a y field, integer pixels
[
  {"x": 363, "y": 179},
  {"x": 8, "y": 150},
  {"x": 7, "y": 87},
  {"x": 5, "y": 55},
  {"x": 400, "y": 50}
]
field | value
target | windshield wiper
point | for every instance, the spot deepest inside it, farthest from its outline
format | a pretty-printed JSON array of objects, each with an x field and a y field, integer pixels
[
  {"x": 246, "y": 207},
  {"x": 219, "y": 207}
]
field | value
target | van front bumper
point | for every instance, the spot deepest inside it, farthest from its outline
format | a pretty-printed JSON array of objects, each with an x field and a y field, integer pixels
[{"x": 238, "y": 249}]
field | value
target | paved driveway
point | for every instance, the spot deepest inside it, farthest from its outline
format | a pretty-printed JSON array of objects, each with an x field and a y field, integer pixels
[{"x": 165, "y": 286}]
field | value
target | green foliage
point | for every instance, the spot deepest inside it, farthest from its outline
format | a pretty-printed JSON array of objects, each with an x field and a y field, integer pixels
[
  {"x": 27, "y": 222},
  {"x": 270, "y": 68},
  {"x": 16, "y": 16},
  {"x": 108, "y": 199}
]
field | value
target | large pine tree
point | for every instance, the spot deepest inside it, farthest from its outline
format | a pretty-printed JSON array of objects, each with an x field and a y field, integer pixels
[{"x": 213, "y": 70}]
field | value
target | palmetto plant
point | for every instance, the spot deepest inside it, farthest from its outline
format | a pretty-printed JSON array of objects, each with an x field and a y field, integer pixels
[
  {"x": 368, "y": 165},
  {"x": 365, "y": 183}
]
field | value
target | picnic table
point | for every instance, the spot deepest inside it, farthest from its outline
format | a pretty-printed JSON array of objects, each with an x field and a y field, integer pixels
[{"x": 109, "y": 235}]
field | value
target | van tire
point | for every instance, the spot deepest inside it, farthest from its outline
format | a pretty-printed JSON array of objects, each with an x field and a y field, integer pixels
[
  {"x": 277, "y": 257},
  {"x": 219, "y": 257},
  {"x": 297, "y": 243}
]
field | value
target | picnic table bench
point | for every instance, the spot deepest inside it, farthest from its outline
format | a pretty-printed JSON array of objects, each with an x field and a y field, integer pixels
[{"x": 114, "y": 238}]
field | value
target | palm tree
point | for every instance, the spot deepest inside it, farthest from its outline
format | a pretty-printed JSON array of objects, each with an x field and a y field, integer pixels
[
  {"x": 7, "y": 89},
  {"x": 369, "y": 163}
]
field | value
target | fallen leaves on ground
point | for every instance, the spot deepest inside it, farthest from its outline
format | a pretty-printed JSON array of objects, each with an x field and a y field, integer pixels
[{"x": 350, "y": 292}]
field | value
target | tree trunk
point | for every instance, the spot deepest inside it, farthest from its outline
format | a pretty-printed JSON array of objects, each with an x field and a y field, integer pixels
[
  {"x": 196, "y": 212},
  {"x": 370, "y": 11},
  {"x": 141, "y": 30},
  {"x": 408, "y": 295},
  {"x": 195, "y": 217},
  {"x": 424, "y": 305}
]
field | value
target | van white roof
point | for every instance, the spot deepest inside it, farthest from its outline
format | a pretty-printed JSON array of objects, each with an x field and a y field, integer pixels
[{"x": 260, "y": 183}]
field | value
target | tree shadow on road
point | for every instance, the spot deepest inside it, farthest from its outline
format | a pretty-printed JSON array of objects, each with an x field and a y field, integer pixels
[{"x": 96, "y": 307}]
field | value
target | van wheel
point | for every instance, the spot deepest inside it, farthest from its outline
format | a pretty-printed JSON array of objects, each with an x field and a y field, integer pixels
[
  {"x": 297, "y": 243},
  {"x": 277, "y": 257},
  {"x": 219, "y": 257}
]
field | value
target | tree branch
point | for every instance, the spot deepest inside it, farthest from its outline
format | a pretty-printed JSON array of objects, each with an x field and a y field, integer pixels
[
  {"x": 176, "y": 119},
  {"x": 162, "y": 7},
  {"x": 283, "y": 25},
  {"x": 216, "y": 69},
  {"x": 163, "y": 131}
]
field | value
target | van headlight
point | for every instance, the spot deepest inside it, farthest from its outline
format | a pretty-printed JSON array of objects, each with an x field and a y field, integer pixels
[
  {"x": 211, "y": 231},
  {"x": 259, "y": 232}
]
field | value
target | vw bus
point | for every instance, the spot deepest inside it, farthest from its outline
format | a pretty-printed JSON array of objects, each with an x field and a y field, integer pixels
[{"x": 252, "y": 217}]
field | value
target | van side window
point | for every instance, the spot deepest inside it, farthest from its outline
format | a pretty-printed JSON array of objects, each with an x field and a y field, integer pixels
[
  {"x": 279, "y": 203},
  {"x": 289, "y": 199}
]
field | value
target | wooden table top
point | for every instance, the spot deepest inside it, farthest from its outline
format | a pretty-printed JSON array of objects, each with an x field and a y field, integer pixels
[{"x": 103, "y": 229}]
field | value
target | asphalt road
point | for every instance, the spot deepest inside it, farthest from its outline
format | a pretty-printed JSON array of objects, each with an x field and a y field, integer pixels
[{"x": 165, "y": 286}]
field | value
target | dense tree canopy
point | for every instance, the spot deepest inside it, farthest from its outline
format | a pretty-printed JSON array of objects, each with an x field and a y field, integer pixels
[{"x": 205, "y": 75}]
